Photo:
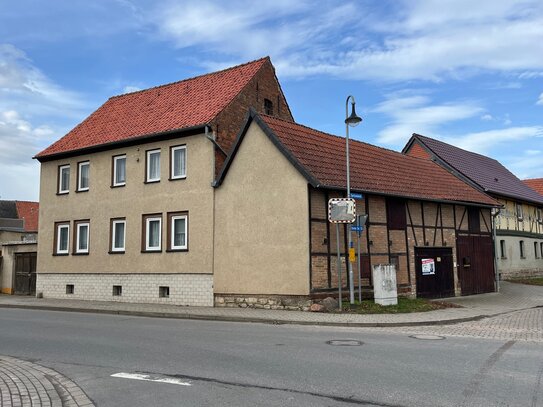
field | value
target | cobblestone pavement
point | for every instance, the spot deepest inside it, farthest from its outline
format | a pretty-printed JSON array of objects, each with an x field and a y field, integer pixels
[
  {"x": 525, "y": 325},
  {"x": 25, "y": 384}
]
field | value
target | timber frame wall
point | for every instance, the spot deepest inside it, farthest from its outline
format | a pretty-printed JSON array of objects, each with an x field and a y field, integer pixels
[{"x": 427, "y": 224}]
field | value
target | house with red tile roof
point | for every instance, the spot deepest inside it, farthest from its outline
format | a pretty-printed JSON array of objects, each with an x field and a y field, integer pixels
[
  {"x": 18, "y": 229},
  {"x": 274, "y": 236},
  {"x": 206, "y": 192},
  {"x": 519, "y": 222},
  {"x": 536, "y": 184}
]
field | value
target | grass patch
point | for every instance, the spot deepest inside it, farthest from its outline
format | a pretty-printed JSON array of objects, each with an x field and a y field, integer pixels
[
  {"x": 405, "y": 305},
  {"x": 529, "y": 280}
]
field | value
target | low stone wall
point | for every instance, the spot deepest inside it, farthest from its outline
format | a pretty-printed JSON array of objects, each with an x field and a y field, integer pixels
[
  {"x": 285, "y": 302},
  {"x": 184, "y": 289},
  {"x": 511, "y": 275}
]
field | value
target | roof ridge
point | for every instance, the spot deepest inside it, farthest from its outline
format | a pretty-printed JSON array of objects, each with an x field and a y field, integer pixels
[
  {"x": 190, "y": 79},
  {"x": 533, "y": 179},
  {"x": 340, "y": 137}
]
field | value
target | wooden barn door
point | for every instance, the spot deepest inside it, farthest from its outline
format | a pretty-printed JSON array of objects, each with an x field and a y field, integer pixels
[
  {"x": 25, "y": 273},
  {"x": 434, "y": 267},
  {"x": 475, "y": 264}
]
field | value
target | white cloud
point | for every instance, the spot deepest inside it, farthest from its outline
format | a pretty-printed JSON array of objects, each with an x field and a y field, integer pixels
[
  {"x": 540, "y": 100},
  {"x": 417, "y": 114},
  {"x": 130, "y": 88},
  {"x": 487, "y": 117},
  {"x": 482, "y": 142},
  {"x": 34, "y": 111}
]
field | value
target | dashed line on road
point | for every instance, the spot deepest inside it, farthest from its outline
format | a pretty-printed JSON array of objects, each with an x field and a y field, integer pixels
[{"x": 149, "y": 378}]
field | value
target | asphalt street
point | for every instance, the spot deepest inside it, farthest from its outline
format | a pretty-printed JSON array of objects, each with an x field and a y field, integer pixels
[{"x": 202, "y": 363}]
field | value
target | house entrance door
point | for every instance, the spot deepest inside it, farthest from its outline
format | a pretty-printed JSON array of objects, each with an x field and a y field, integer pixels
[{"x": 25, "y": 273}]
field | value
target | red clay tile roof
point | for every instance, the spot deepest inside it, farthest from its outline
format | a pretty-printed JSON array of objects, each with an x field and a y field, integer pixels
[
  {"x": 373, "y": 169},
  {"x": 536, "y": 184},
  {"x": 28, "y": 211},
  {"x": 486, "y": 172},
  {"x": 184, "y": 104}
]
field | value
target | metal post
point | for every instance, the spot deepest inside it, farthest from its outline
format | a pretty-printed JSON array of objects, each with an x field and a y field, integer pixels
[
  {"x": 349, "y": 240},
  {"x": 338, "y": 266},
  {"x": 359, "y": 272},
  {"x": 497, "y": 273}
]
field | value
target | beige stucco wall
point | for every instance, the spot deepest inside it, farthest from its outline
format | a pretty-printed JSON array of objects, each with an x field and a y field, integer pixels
[
  {"x": 7, "y": 265},
  {"x": 193, "y": 194},
  {"x": 261, "y": 223}
]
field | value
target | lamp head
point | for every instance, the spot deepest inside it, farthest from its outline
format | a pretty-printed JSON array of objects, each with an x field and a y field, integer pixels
[{"x": 353, "y": 119}]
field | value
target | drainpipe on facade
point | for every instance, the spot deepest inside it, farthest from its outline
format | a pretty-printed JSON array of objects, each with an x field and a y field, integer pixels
[{"x": 495, "y": 212}]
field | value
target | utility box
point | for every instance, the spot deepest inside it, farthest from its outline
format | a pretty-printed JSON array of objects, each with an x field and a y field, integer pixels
[{"x": 385, "y": 291}]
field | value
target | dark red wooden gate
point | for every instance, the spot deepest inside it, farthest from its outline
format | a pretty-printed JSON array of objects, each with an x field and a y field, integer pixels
[
  {"x": 440, "y": 281},
  {"x": 475, "y": 264}
]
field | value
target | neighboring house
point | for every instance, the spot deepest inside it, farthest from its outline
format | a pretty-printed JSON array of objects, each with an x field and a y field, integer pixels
[
  {"x": 519, "y": 223},
  {"x": 536, "y": 184},
  {"x": 127, "y": 204},
  {"x": 272, "y": 236},
  {"x": 18, "y": 235}
]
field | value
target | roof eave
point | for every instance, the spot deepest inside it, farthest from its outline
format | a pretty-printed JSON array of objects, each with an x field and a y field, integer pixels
[{"x": 147, "y": 138}]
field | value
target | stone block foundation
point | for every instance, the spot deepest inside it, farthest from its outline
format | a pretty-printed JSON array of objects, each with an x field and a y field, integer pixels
[
  {"x": 285, "y": 302},
  {"x": 177, "y": 289}
]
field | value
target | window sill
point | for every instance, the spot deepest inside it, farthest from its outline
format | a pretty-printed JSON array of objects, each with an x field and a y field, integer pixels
[
  {"x": 116, "y": 252},
  {"x": 151, "y": 181},
  {"x": 152, "y": 251},
  {"x": 176, "y": 250},
  {"x": 117, "y": 186},
  {"x": 61, "y": 254},
  {"x": 177, "y": 178},
  {"x": 81, "y": 190},
  {"x": 80, "y": 254},
  {"x": 63, "y": 193}
]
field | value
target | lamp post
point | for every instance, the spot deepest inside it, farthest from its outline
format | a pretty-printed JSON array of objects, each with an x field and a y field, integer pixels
[{"x": 350, "y": 121}]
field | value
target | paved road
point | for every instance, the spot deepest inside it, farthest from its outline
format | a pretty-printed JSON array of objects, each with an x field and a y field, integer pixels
[{"x": 232, "y": 364}]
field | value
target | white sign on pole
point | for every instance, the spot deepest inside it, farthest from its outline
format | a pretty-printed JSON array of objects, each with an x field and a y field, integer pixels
[
  {"x": 341, "y": 210},
  {"x": 428, "y": 267}
]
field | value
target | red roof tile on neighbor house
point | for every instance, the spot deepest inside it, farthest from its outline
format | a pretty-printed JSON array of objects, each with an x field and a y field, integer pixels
[
  {"x": 536, "y": 184},
  {"x": 28, "y": 211},
  {"x": 184, "y": 104},
  {"x": 373, "y": 169}
]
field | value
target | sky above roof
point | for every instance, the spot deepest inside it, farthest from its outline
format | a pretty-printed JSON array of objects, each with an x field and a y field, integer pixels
[{"x": 468, "y": 73}]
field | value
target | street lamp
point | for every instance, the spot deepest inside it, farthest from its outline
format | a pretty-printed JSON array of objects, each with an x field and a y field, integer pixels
[{"x": 350, "y": 121}]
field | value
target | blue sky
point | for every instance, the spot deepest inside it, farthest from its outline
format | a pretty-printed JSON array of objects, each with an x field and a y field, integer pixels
[{"x": 467, "y": 72}]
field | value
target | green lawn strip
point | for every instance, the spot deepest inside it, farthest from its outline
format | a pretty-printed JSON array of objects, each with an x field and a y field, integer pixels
[
  {"x": 530, "y": 280},
  {"x": 405, "y": 305}
]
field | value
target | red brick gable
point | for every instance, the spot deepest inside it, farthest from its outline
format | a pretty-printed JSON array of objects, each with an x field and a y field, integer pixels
[
  {"x": 416, "y": 150},
  {"x": 320, "y": 157},
  {"x": 28, "y": 211},
  {"x": 179, "y": 105}
]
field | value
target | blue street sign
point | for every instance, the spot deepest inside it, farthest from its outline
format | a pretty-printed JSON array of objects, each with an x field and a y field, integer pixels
[
  {"x": 355, "y": 195},
  {"x": 357, "y": 228}
]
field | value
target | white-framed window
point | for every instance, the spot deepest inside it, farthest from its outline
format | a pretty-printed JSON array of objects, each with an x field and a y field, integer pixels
[
  {"x": 64, "y": 179},
  {"x": 81, "y": 237},
  {"x": 153, "y": 166},
  {"x": 119, "y": 170},
  {"x": 118, "y": 235},
  {"x": 539, "y": 215},
  {"x": 153, "y": 233},
  {"x": 83, "y": 170},
  {"x": 178, "y": 232},
  {"x": 62, "y": 238},
  {"x": 178, "y": 164}
]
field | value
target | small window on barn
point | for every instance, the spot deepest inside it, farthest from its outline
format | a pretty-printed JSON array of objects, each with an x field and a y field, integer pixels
[
  {"x": 522, "y": 250},
  {"x": 474, "y": 222},
  {"x": 536, "y": 250},
  {"x": 519, "y": 212},
  {"x": 502, "y": 249},
  {"x": 396, "y": 218},
  {"x": 268, "y": 107}
]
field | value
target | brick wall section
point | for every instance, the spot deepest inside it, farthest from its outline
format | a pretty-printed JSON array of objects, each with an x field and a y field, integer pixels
[
  {"x": 227, "y": 125},
  {"x": 185, "y": 289},
  {"x": 416, "y": 150}
]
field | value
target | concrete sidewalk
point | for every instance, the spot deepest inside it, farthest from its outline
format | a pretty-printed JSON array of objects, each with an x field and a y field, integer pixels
[{"x": 512, "y": 297}]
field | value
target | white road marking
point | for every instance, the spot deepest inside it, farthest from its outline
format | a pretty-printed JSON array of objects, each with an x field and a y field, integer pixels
[{"x": 149, "y": 378}]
